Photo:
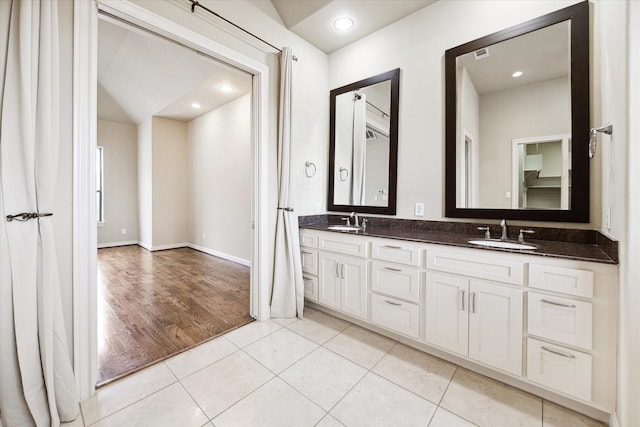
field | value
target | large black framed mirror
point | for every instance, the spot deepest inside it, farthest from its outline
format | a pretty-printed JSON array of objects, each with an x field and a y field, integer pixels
[
  {"x": 517, "y": 121},
  {"x": 363, "y": 148}
]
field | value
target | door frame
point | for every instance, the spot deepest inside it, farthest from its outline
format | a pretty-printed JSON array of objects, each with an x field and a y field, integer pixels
[{"x": 85, "y": 49}]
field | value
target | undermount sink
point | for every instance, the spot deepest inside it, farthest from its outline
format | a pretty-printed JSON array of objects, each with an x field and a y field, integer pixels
[
  {"x": 501, "y": 244},
  {"x": 344, "y": 228}
]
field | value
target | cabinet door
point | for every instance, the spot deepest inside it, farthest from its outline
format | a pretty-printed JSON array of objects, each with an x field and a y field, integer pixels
[
  {"x": 329, "y": 280},
  {"x": 446, "y": 312},
  {"x": 310, "y": 287},
  {"x": 354, "y": 286},
  {"x": 495, "y": 326}
]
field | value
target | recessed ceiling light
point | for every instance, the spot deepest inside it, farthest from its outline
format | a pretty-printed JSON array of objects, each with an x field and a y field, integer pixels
[
  {"x": 517, "y": 74},
  {"x": 225, "y": 87},
  {"x": 343, "y": 23},
  {"x": 195, "y": 105}
]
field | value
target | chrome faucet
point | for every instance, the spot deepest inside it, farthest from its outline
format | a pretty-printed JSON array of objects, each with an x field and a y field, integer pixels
[
  {"x": 503, "y": 224},
  {"x": 356, "y": 222}
]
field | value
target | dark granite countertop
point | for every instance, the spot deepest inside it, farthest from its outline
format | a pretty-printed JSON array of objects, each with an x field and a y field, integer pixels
[{"x": 582, "y": 245}]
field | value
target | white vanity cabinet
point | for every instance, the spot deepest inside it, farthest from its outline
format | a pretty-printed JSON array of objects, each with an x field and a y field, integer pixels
[
  {"x": 531, "y": 321},
  {"x": 309, "y": 258},
  {"x": 396, "y": 285},
  {"x": 343, "y": 273},
  {"x": 473, "y": 317}
]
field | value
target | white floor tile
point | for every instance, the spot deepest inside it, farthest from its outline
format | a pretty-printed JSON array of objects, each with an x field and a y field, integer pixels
[
  {"x": 319, "y": 327},
  {"x": 275, "y": 404},
  {"x": 205, "y": 354},
  {"x": 252, "y": 332},
  {"x": 169, "y": 407},
  {"x": 78, "y": 422},
  {"x": 329, "y": 421},
  {"x": 376, "y": 401},
  {"x": 444, "y": 418},
  {"x": 557, "y": 416},
  {"x": 359, "y": 345},
  {"x": 324, "y": 377},
  {"x": 220, "y": 385},
  {"x": 280, "y": 350},
  {"x": 425, "y": 375},
  {"x": 490, "y": 403},
  {"x": 285, "y": 322},
  {"x": 124, "y": 392}
]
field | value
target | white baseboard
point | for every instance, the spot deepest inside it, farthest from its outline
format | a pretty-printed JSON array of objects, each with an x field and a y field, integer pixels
[
  {"x": 144, "y": 245},
  {"x": 115, "y": 244},
  {"x": 613, "y": 420},
  {"x": 222, "y": 255},
  {"x": 169, "y": 246}
]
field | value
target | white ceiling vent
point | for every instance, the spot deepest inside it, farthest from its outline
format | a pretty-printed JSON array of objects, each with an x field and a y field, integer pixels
[{"x": 481, "y": 53}]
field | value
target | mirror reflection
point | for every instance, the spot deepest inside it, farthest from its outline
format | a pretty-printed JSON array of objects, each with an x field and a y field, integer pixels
[
  {"x": 363, "y": 148},
  {"x": 514, "y": 122}
]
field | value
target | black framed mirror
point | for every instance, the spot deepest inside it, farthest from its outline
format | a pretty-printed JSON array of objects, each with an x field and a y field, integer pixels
[
  {"x": 517, "y": 121},
  {"x": 363, "y": 148}
]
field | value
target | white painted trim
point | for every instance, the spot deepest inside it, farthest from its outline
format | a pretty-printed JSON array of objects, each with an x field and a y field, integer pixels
[
  {"x": 85, "y": 240},
  {"x": 85, "y": 340},
  {"x": 219, "y": 254},
  {"x": 116, "y": 244},
  {"x": 613, "y": 420}
]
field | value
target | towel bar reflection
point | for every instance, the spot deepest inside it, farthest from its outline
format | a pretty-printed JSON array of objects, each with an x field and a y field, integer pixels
[
  {"x": 593, "y": 137},
  {"x": 309, "y": 169}
]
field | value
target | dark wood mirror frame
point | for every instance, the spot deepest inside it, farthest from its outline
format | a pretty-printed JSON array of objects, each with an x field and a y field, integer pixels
[
  {"x": 390, "y": 209},
  {"x": 579, "y": 203}
]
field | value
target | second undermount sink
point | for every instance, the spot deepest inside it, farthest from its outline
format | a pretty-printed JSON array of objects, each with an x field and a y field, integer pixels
[
  {"x": 501, "y": 244},
  {"x": 340, "y": 227}
]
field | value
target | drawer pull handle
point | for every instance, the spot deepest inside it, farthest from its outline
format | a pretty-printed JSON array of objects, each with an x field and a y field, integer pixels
[
  {"x": 559, "y": 304},
  {"x": 391, "y": 302},
  {"x": 392, "y": 269},
  {"x": 307, "y": 253},
  {"x": 306, "y": 278},
  {"x": 393, "y": 247},
  {"x": 558, "y": 353}
]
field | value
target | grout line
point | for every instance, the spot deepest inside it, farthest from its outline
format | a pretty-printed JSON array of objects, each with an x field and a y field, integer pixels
[{"x": 196, "y": 402}]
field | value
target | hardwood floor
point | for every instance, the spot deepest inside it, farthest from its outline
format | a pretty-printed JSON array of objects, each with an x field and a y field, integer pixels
[{"x": 155, "y": 304}]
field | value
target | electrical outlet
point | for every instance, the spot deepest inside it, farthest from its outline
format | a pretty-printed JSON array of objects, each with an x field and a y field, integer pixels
[
  {"x": 123, "y": 231},
  {"x": 419, "y": 209},
  {"x": 204, "y": 236},
  {"x": 318, "y": 207},
  {"x": 608, "y": 218},
  {"x": 507, "y": 195}
]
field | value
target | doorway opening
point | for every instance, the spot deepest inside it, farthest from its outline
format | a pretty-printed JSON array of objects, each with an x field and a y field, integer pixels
[{"x": 175, "y": 236}]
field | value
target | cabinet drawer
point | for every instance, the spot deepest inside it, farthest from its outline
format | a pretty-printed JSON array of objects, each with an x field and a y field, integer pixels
[
  {"x": 310, "y": 287},
  {"x": 395, "y": 280},
  {"x": 561, "y": 279},
  {"x": 397, "y": 251},
  {"x": 500, "y": 270},
  {"x": 559, "y": 368},
  {"x": 308, "y": 239},
  {"x": 560, "y": 319},
  {"x": 309, "y": 261},
  {"x": 344, "y": 244},
  {"x": 399, "y": 316}
]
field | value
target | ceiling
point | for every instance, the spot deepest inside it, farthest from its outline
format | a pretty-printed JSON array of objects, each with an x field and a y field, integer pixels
[
  {"x": 493, "y": 72},
  {"x": 142, "y": 75},
  {"x": 313, "y": 19}
]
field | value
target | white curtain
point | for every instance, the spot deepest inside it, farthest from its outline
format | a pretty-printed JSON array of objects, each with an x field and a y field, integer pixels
[
  {"x": 287, "y": 297},
  {"x": 37, "y": 385},
  {"x": 359, "y": 147}
]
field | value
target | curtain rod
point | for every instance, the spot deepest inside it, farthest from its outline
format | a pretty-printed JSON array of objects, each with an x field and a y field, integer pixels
[{"x": 195, "y": 3}]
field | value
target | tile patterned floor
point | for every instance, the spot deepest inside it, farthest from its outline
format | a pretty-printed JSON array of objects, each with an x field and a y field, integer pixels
[{"x": 321, "y": 371}]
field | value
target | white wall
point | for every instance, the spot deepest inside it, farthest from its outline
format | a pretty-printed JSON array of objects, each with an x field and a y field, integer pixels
[
  {"x": 541, "y": 109},
  {"x": 170, "y": 179},
  {"x": 145, "y": 184},
  {"x": 417, "y": 44},
  {"x": 469, "y": 127},
  {"x": 219, "y": 179},
  {"x": 120, "y": 173}
]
